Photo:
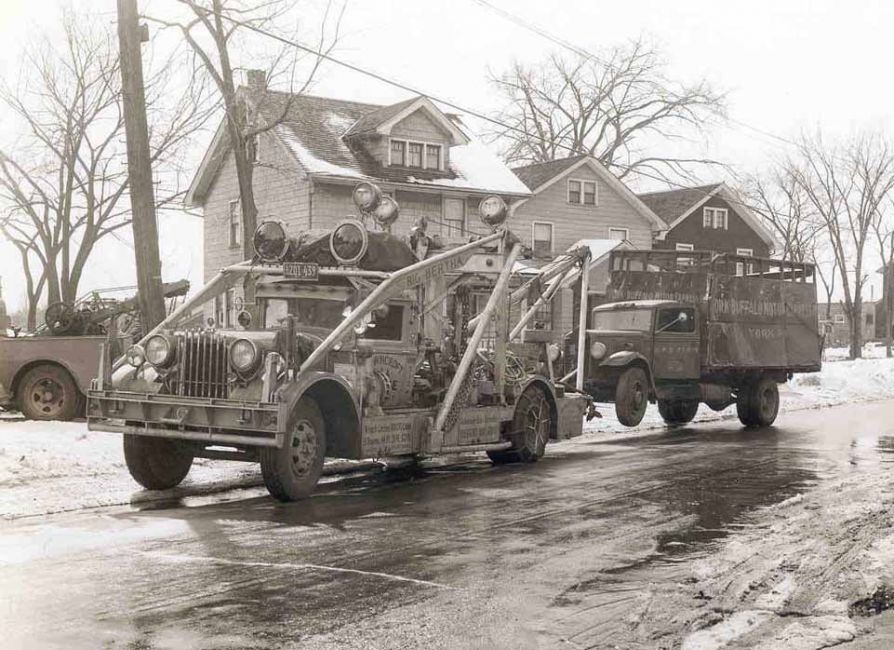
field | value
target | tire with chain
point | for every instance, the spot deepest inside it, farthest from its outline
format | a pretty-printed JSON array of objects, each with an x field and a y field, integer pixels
[
  {"x": 678, "y": 411},
  {"x": 632, "y": 396},
  {"x": 531, "y": 424},
  {"x": 291, "y": 472},
  {"x": 156, "y": 463}
]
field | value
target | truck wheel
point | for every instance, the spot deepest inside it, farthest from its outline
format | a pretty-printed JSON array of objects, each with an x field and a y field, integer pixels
[
  {"x": 680, "y": 411},
  {"x": 531, "y": 423},
  {"x": 758, "y": 404},
  {"x": 47, "y": 392},
  {"x": 632, "y": 396},
  {"x": 156, "y": 463},
  {"x": 291, "y": 472}
]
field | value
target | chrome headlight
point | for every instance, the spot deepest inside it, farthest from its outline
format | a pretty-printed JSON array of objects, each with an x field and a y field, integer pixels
[
  {"x": 160, "y": 351},
  {"x": 348, "y": 242},
  {"x": 597, "y": 349},
  {"x": 244, "y": 356},
  {"x": 136, "y": 356}
]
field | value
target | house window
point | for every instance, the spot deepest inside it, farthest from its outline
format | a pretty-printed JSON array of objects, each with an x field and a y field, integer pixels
[
  {"x": 235, "y": 222},
  {"x": 253, "y": 147},
  {"x": 543, "y": 317},
  {"x": 619, "y": 234},
  {"x": 684, "y": 261},
  {"x": 839, "y": 318},
  {"x": 542, "y": 239},
  {"x": 414, "y": 155},
  {"x": 454, "y": 217},
  {"x": 716, "y": 218},
  {"x": 432, "y": 156},
  {"x": 740, "y": 266},
  {"x": 581, "y": 192},
  {"x": 398, "y": 152}
]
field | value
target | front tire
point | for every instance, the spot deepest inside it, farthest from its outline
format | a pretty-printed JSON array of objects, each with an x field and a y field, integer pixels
[
  {"x": 531, "y": 423},
  {"x": 680, "y": 411},
  {"x": 291, "y": 472},
  {"x": 156, "y": 463},
  {"x": 757, "y": 404},
  {"x": 47, "y": 392},
  {"x": 632, "y": 396}
]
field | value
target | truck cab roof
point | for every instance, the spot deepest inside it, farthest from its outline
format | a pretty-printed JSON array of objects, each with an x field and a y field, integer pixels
[{"x": 636, "y": 304}]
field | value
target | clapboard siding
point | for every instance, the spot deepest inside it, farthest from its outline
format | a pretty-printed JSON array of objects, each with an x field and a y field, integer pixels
[
  {"x": 574, "y": 222},
  {"x": 739, "y": 233},
  {"x": 281, "y": 192}
]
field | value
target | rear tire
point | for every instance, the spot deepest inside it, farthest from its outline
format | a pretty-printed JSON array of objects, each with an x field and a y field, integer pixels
[
  {"x": 632, "y": 396},
  {"x": 47, "y": 392},
  {"x": 156, "y": 463},
  {"x": 291, "y": 472},
  {"x": 680, "y": 411},
  {"x": 531, "y": 422},
  {"x": 757, "y": 404}
]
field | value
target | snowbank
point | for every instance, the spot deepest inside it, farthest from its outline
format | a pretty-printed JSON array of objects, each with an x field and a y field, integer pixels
[{"x": 54, "y": 466}]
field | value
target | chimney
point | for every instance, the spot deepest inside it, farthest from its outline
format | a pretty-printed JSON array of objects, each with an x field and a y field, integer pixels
[{"x": 256, "y": 80}]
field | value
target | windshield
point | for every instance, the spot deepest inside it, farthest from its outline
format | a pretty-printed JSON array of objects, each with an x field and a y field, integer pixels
[
  {"x": 309, "y": 312},
  {"x": 628, "y": 320}
]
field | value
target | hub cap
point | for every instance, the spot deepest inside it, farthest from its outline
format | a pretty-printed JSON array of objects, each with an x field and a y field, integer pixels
[
  {"x": 48, "y": 396},
  {"x": 304, "y": 447}
]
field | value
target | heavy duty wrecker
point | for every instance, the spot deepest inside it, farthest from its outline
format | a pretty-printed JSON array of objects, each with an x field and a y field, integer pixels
[{"x": 356, "y": 344}]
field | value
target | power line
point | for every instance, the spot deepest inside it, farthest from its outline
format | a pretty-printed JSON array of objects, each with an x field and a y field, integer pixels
[{"x": 416, "y": 91}]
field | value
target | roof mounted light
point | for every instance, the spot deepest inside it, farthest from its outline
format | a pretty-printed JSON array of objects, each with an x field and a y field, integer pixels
[
  {"x": 493, "y": 210},
  {"x": 367, "y": 196},
  {"x": 386, "y": 212},
  {"x": 348, "y": 242},
  {"x": 270, "y": 241}
]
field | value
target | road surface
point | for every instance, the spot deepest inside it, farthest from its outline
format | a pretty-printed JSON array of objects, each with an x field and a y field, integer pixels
[{"x": 675, "y": 538}]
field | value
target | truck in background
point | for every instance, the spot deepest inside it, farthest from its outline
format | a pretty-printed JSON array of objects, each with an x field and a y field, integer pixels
[{"x": 684, "y": 328}]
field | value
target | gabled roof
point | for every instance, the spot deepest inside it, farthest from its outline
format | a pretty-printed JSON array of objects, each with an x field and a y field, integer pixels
[
  {"x": 314, "y": 131},
  {"x": 383, "y": 119},
  {"x": 671, "y": 204},
  {"x": 674, "y": 206},
  {"x": 539, "y": 176}
]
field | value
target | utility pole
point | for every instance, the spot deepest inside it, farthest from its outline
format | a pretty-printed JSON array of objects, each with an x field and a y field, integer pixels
[{"x": 139, "y": 168}]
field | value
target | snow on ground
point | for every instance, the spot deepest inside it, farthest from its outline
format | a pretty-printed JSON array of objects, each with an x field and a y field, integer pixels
[{"x": 49, "y": 467}]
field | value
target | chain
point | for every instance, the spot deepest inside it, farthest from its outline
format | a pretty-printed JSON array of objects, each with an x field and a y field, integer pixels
[{"x": 463, "y": 295}]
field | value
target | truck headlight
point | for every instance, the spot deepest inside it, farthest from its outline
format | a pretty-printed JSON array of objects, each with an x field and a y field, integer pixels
[
  {"x": 244, "y": 356},
  {"x": 597, "y": 349},
  {"x": 159, "y": 351}
]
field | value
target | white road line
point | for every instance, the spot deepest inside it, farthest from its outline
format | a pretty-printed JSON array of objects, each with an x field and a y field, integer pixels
[{"x": 291, "y": 565}]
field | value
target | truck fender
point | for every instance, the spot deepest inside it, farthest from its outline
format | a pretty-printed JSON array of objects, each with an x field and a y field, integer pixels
[
  {"x": 338, "y": 405},
  {"x": 626, "y": 358},
  {"x": 546, "y": 386}
]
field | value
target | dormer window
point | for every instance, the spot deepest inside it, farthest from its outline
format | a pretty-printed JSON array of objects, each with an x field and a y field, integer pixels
[{"x": 417, "y": 155}]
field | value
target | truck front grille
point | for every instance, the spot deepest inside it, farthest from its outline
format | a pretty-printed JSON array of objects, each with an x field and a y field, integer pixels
[{"x": 203, "y": 364}]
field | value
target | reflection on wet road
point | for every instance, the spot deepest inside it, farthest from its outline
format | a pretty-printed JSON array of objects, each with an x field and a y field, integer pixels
[{"x": 461, "y": 555}]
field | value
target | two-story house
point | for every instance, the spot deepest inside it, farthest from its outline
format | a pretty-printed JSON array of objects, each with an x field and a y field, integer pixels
[
  {"x": 711, "y": 218},
  {"x": 308, "y": 163},
  {"x": 577, "y": 201}
]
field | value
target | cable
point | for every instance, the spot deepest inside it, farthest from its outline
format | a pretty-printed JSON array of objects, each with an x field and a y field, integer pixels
[{"x": 463, "y": 109}]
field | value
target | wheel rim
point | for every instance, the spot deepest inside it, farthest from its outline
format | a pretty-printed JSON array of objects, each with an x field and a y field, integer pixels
[
  {"x": 638, "y": 397},
  {"x": 47, "y": 396},
  {"x": 537, "y": 425},
  {"x": 303, "y": 447}
]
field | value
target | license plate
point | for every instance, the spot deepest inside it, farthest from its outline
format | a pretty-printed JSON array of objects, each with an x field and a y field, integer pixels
[{"x": 301, "y": 270}]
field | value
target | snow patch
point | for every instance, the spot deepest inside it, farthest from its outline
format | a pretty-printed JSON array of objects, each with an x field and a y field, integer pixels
[{"x": 725, "y": 632}]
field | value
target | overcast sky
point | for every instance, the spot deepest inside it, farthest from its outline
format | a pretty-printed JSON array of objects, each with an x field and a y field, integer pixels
[{"x": 786, "y": 66}]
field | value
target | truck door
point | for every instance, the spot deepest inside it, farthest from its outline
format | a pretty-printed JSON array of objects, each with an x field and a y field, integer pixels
[{"x": 675, "y": 351}]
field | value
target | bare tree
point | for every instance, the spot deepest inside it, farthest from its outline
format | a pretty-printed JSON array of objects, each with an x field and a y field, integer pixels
[
  {"x": 883, "y": 229},
  {"x": 846, "y": 185},
  {"x": 210, "y": 30},
  {"x": 62, "y": 181},
  {"x": 780, "y": 200},
  {"x": 607, "y": 108}
]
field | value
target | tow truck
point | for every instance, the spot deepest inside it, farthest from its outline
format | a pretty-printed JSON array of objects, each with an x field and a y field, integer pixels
[{"x": 357, "y": 344}]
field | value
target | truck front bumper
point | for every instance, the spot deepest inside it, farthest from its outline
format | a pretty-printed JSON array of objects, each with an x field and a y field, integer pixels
[{"x": 214, "y": 421}]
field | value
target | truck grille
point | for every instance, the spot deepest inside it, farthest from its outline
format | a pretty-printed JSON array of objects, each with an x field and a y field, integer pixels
[{"x": 203, "y": 364}]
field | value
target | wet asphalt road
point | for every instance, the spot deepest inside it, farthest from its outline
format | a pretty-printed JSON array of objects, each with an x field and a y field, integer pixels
[{"x": 464, "y": 555}]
